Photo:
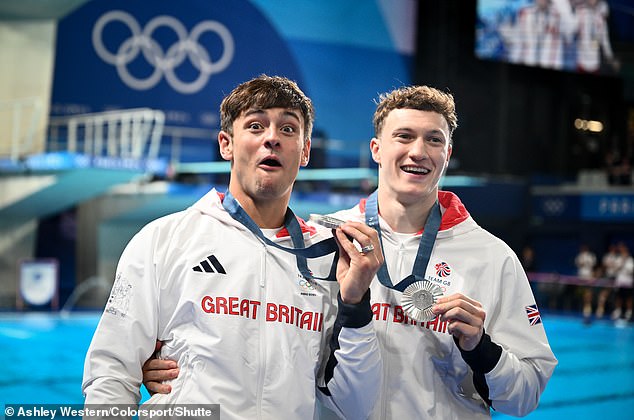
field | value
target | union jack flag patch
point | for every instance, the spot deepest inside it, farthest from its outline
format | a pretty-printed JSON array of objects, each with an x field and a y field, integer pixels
[{"x": 534, "y": 317}]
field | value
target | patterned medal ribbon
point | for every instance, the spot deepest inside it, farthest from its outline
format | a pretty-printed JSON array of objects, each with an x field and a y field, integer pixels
[
  {"x": 291, "y": 224},
  {"x": 419, "y": 295}
]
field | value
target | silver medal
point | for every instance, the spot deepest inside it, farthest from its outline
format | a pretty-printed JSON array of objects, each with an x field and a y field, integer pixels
[
  {"x": 418, "y": 299},
  {"x": 327, "y": 221}
]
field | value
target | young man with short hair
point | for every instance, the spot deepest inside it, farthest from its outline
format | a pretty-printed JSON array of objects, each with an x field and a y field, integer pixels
[{"x": 248, "y": 323}]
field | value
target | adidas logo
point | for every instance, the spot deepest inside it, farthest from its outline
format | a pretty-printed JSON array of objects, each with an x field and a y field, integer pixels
[{"x": 206, "y": 266}]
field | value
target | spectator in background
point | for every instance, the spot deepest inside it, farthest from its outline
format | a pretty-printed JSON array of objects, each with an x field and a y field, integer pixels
[
  {"x": 593, "y": 37},
  {"x": 611, "y": 166},
  {"x": 585, "y": 262},
  {"x": 625, "y": 174},
  {"x": 618, "y": 168},
  {"x": 609, "y": 269},
  {"x": 624, "y": 282},
  {"x": 544, "y": 292},
  {"x": 528, "y": 259}
]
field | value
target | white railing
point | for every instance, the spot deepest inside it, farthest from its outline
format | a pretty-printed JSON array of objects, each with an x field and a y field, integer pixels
[
  {"x": 130, "y": 133},
  {"x": 22, "y": 117}
]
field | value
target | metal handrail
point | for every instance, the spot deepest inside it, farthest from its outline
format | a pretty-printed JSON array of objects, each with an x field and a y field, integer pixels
[{"x": 129, "y": 133}]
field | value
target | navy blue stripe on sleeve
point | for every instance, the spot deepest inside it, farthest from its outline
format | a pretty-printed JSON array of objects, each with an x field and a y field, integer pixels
[
  {"x": 482, "y": 359},
  {"x": 349, "y": 316}
]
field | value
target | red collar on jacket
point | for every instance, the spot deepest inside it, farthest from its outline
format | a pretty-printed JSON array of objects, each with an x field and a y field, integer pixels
[{"x": 284, "y": 232}]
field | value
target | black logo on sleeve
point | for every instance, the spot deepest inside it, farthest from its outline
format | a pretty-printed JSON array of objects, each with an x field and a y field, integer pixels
[{"x": 210, "y": 265}]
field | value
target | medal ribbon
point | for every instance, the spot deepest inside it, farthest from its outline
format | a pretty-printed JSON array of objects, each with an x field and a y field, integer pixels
[
  {"x": 425, "y": 246},
  {"x": 291, "y": 224}
]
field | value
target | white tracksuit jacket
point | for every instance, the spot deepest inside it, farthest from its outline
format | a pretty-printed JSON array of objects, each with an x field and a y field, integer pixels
[
  {"x": 248, "y": 332},
  {"x": 424, "y": 374}
]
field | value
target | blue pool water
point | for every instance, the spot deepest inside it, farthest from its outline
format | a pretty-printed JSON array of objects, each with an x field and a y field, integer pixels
[{"x": 43, "y": 357}]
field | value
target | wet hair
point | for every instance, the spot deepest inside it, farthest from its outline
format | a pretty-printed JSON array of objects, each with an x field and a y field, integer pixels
[
  {"x": 423, "y": 98},
  {"x": 265, "y": 92}
]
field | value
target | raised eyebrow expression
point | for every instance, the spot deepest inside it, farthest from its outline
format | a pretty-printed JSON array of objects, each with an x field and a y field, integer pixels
[{"x": 260, "y": 112}]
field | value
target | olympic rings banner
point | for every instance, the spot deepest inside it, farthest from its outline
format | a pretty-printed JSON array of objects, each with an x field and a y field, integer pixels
[
  {"x": 163, "y": 63},
  {"x": 183, "y": 57}
]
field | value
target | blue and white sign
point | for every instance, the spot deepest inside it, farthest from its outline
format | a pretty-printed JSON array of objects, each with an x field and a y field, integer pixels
[
  {"x": 178, "y": 57},
  {"x": 164, "y": 62},
  {"x": 608, "y": 207},
  {"x": 556, "y": 207},
  {"x": 38, "y": 282},
  {"x": 590, "y": 207}
]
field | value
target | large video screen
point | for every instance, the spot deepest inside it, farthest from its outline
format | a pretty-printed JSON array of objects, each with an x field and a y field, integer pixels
[{"x": 571, "y": 35}]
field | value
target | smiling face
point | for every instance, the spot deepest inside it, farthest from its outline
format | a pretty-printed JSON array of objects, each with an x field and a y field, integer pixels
[
  {"x": 413, "y": 128},
  {"x": 412, "y": 149},
  {"x": 266, "y": 149}
]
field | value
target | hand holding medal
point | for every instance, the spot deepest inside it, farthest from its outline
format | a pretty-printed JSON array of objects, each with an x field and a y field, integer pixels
[
  {"x": 465, "y": 318},
  {"x": 356, "y": 266}
]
